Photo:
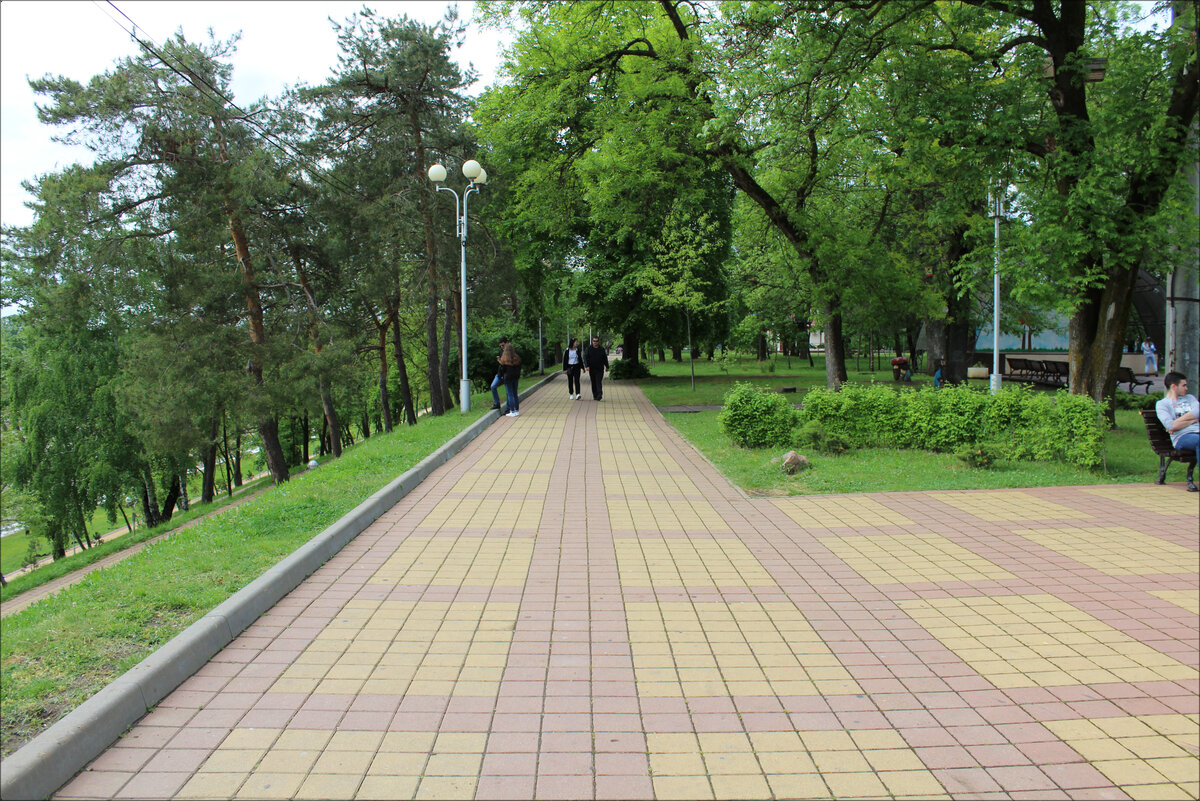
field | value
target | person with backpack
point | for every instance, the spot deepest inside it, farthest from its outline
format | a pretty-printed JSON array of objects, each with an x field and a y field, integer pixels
[{"x": 510, "y": 369}]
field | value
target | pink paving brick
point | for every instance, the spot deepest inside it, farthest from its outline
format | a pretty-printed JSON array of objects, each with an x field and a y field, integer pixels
[{"x": 559, "y": 700}]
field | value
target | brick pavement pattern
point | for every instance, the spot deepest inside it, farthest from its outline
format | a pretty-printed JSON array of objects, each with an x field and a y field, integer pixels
[{"x": 579, "y": 606}]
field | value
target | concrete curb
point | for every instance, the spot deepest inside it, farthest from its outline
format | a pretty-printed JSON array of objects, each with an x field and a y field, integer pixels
[{"x": 50, "y": 760}]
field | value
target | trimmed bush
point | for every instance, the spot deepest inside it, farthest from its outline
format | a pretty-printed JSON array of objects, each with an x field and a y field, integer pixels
[
  {"x": 813, "y": 435},
  {"x": 1018, "y": 422},
  {"x": 753, "y": 418},
  {"x": 626, "y": 368}
]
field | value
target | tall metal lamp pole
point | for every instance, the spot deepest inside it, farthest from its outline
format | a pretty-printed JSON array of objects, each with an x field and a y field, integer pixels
[
  {"x": 995, "y": 211},
  {"x": 477, "y": 177}
]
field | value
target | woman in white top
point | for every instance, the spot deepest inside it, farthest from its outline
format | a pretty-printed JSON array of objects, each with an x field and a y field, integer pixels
[{"x": 573, "y": 366}]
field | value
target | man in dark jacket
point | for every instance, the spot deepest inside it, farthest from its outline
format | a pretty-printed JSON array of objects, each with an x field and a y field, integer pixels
[{"x": 595, "y": 363}]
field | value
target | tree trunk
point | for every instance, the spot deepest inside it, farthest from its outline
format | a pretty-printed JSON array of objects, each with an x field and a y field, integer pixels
[
  {"x": 762, "y": 347},
  {"x": 325, "y": 438},
  {"x": 237, "y": 459},
  {"x": 149, "y": 498},
  {"x": 184, "y": 502},
  {"x": 331, "y": 416},
  {"x": 835, "y": 348},
  {"x": 406, "y": 398},
  {"x": 208, "y": 486},
  {"x": 384, "y": 399},
  {"x": 228, "y": 463},
  {"x": 437, "y": 403},
  {"x": 268, "y": 431},
  {"x": 1096, "y": 330},
  {"x": 171, "y": 499},
  {"x": 677, "y": 353},
  {"x": 307, "y": 432}
]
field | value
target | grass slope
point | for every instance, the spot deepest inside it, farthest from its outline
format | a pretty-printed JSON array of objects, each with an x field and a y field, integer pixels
[{"x": 63, "y": 649}]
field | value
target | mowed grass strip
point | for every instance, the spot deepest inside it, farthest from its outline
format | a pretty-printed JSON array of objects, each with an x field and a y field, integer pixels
[
  {"x": 65, "y": 648},
  {"x": 1128, "y": 458},
  {"x": 119, "y": 542}
]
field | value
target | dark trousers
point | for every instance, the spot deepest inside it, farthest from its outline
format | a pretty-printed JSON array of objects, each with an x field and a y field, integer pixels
[
  {"x": 512, "y": 399},
  {"x": 573, "y": 379},
  {"x": 597, "y": 383}
]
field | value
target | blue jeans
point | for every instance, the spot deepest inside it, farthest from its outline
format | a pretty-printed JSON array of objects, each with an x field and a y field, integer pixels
[
  {"x": 496, "y": 382},
  {"x": 1189, "y": 442},
  {"x": 513, "y": 400}
]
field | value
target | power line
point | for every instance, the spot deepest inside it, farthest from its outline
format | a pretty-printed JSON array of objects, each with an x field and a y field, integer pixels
[{"x": 195, "y": 79}]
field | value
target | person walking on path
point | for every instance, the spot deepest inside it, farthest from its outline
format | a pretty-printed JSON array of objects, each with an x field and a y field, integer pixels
[
  {"x": 1179, "y": 413},
  {"x": 1151, "y": 354},
  {"x": 499, "y": 379},
  {"x": 595, "y": 363},
  {"x": 573, "y": 366},
  {"x": 510, "y": 368}
]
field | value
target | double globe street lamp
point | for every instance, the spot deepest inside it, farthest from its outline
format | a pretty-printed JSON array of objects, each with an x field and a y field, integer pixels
[{"x": 477, "y": 177}]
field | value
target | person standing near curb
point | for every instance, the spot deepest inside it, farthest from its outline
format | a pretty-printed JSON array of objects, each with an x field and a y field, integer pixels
[
  {"x": 499, "y": 379},
  {"x": 510, "y": 368},
  {"x": 595, "y": 363},
  {"x": 1151, "y": 354},
  {"x": 573, "y": 366}
]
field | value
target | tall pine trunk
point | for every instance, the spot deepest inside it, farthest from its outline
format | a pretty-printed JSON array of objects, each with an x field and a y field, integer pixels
[
  {"x": 406, "y": 398},
  {"x": 384, "y": 400},
  {"x": 208, "y": 486},
  {"x": 444, "y": 369}
]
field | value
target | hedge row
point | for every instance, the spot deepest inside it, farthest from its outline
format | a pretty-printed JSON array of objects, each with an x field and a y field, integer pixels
[{"x": 1021, "y": 423}]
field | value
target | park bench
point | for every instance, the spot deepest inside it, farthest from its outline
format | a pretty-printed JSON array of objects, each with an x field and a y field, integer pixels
[
  {"x": 1126, "y": 376},
  {"x": 1056, "y": 372},
  {"x": 1160, "y": 441}
]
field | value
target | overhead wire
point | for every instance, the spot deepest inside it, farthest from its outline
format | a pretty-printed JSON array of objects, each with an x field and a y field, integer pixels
[{"x": 203, "y": 86}]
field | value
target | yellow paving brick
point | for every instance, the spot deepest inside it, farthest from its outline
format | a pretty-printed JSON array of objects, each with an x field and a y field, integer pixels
[
  {"x": 271, "y": 785},
  {"x": 233, "y": 760},
  {"x": 878, "y": 739},
  {"x": 775, "y": 741},
  {"x": 912, "y": 783},
  {"x": 387, "y": 788},
  {"x": 1158, "y": 792},
  {"x": 344, "y": 762},
  {"x": 1179, "y": 769},
  {"x": 911, "y": 558},
  {"x": 398, "y": 763},
  {"x": 894, "y": 759},
  {"x": 854, "y": 785},
  {"x": 325, "y": 786},
  {"x": 827, "y": 741},
  {"x": 836, "y": 512},
  {"x": 798, "y": 785},
  {"x": 212, "y": 785},
  {"x": 672, "y": 743},
  {"x": 1174, "y": 503},
  {"x": 718, "y": 741},
  {"x": 1128, "y": 771},
  {"x": 752, "y": 785},
  {"x": 682, "y": 787},
  {"x": 797, "y": 761},
  {"x": 449, "y": 764},
  {"x": 1116, "y": 550},
  {"x": 253, "y": 739},
  {"x": 1000, "y": 507},
  {"x": 283, "y": 761},
  {"x": 725, "y": 763},
  {"x": 1187, "y": 599},
  {"x": 676, "y": 764},
  {"x": 1008, "y": 667},
  {"x": 840, "y": 762}
]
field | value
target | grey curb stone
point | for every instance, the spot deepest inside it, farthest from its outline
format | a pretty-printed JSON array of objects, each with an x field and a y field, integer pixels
[{"x": 47, "y": 762}]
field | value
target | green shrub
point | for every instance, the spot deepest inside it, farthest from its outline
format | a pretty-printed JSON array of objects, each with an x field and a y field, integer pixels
[
  {"x": 1018, "y": 422},
  {"x": 981, "y": 455},
  {"x": 626, "y": 368},
  {"x": 813, "y": 435},
  {"x": 1129, "y": 400},
  {"x": 753, "y": 418}
]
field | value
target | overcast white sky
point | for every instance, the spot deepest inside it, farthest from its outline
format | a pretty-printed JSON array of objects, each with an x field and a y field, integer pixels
[{"x": 283, "y": 43}]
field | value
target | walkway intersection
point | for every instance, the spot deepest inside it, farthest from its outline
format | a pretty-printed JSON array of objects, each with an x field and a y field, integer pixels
[{"x": 579, "y": 606}]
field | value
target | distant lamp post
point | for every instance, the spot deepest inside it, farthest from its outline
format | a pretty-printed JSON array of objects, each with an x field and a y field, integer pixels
[
  {"x": 995, "y": 211},
  {"x": 477, "y": 176}
]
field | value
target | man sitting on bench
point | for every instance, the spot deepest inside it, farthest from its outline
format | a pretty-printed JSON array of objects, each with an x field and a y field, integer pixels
[{"x": 1180, "y": 415}]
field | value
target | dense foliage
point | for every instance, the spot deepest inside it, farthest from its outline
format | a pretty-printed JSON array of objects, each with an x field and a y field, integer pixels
[
  {"x": 754, "y": 418},
  {"x": 1020, "y": 422}
]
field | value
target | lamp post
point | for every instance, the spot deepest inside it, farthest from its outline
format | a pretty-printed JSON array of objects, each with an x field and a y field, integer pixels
[
  {"x": 995, "y": 211},
  {"x": 477, "y": 177}
]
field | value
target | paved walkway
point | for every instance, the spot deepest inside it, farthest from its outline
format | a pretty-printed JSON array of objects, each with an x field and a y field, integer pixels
[{"x": 579, "y": 606}]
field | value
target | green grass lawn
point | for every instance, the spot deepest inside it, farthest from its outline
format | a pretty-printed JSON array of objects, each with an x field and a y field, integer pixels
[
  {"x": 1128, "y": 458},
  {"x": 64, "y": 648}
]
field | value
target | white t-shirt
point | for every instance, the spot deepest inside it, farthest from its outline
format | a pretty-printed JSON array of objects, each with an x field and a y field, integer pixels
[
  {"x": 573, "y": 356},
  {"x": 1169, "y": 410}
]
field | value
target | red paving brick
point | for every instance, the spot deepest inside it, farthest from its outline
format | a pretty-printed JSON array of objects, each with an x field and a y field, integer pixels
[{"x": 579, "y": 606}]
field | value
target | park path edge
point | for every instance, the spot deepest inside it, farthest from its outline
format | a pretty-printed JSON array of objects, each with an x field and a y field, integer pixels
[{"x": 40, "y": 767}]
